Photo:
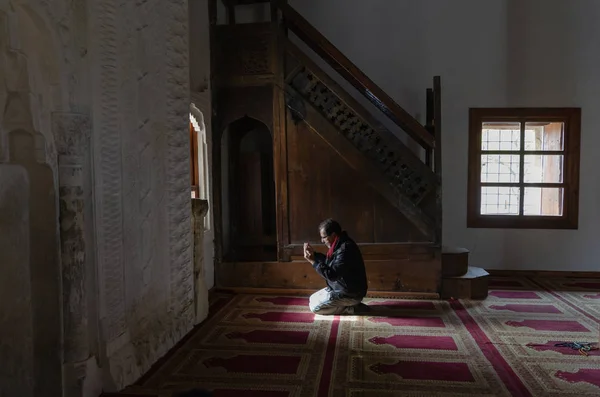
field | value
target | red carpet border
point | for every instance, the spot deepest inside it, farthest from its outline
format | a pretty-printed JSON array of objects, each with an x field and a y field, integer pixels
[{"x": 504, "y": 346}]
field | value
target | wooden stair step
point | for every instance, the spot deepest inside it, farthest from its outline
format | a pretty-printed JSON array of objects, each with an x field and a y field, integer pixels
[
  {"x": 233, "y": 3},
  {"x": 137, "y": 391},
  {"x": 449, "y": 249},
  {"x": 471, "y": 285},
  {"x": 473, "y": 273},
  {"x": 455, "y": 261}
]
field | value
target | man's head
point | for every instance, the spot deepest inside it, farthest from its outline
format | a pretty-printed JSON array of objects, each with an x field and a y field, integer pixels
[{"x": 329, "y": 230}]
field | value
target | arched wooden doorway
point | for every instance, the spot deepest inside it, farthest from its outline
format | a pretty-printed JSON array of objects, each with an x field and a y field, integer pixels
[{"x": 250, "y": 192}]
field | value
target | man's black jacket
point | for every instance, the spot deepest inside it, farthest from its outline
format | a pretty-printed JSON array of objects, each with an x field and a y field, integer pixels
[{"x": 344, "y": 271}]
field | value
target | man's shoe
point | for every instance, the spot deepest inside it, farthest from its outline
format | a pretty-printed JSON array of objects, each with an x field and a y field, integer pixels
[{"x": 361, "y": 308}]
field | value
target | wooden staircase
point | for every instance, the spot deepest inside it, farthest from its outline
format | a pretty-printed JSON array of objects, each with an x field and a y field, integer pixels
[
  {"x": 410, "y": 183},
  {"x": 365, "y": 144}
]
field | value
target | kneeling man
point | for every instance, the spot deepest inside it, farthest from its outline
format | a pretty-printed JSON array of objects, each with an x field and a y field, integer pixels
[{"x": 342, "y": 268}]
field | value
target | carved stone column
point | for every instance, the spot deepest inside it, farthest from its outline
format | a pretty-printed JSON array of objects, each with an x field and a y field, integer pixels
[
  {"x": 72, "y": 134},
  {"x": 199, "y": 210}
]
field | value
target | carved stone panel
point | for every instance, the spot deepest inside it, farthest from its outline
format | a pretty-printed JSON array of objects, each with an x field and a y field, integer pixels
[
  {"x": 72, "y": 132},
  {"x": 141, "y": 180},
  {"x": 199, "y": 210}
]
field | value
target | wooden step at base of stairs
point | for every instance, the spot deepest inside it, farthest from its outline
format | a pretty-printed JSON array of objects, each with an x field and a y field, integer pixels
[
  {"x": 141, "y": 391},
  {"x": 455, "y": 261},
  {"x": 133, "y": 391},
  {"x": 233, "y": 3},
  {"x": 472, "y": 285}
]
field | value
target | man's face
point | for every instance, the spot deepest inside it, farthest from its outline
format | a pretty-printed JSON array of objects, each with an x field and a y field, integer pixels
[{"x": 325, "y": 239}]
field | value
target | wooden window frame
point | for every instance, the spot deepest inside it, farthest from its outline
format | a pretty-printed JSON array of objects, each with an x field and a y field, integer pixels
[
  {"x": 194, "y": 171},
  {"x": 571, "y": 117}
]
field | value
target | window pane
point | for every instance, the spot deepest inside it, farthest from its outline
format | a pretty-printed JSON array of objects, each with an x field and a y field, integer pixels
[
  {"x": 501, "y": 136},
  {"x": 499, "y": 200},
  {"x": 500, "y": 168},
  {"x": 544, "y": 136},
  {"x": 547, "y": 201},
  {"x": 543, "y": 168}
]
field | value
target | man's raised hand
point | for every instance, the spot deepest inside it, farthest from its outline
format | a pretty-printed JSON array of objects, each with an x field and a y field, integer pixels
[{"x": 309, "y": 253}]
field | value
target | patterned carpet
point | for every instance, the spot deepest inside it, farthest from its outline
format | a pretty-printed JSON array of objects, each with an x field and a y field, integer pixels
[{"x": 504, "y": 346}]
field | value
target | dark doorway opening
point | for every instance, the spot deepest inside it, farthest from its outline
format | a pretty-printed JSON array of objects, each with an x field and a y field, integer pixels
[{"x": 249, "y": 221}]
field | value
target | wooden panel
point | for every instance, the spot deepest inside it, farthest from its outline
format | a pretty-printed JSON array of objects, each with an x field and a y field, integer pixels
[
  {"x": 244, "y": 51},
  {"x": 308, "y": 182},
  {"x": 307, "y": 292},
  {"x": 455, "y": 261},
  {"x": 391, "y": 226},
  {"x": 280, "y": 143},
  {"x": 398, "y": 251},
  {"x": 322, "y": 185},
  {"x": 472, "y": 285},
  {"x": 383, "y": 275},
  {"x": 250, "y": 221},
  {"x": 473, "y": 289},
  {"x": 236, "y": 103},
  {"x": 233, "y": 3}
]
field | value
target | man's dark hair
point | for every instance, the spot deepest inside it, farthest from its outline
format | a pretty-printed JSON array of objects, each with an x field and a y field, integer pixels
[{"x": 330, "y": 226}]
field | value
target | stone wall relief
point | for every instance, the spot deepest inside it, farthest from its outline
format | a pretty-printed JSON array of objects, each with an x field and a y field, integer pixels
[
  {"x": 47, "y": 110},
  {"x": 32, "y": 68},
  {"x": 25, "y": 149}
]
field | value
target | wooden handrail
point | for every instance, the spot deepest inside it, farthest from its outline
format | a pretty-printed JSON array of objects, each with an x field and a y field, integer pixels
[{"x": 338, "y": 61}]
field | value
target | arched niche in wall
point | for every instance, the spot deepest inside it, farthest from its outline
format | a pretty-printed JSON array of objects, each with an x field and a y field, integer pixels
[{"x": 249, "y": 200}]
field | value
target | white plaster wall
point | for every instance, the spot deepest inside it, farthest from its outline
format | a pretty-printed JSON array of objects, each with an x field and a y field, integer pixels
[
  {"x": 553, "y": 60},
  {"x": 488, "y": 53}
]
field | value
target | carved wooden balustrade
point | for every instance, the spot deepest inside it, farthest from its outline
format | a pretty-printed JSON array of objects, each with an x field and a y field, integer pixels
[{"x": 414, "y": 181}]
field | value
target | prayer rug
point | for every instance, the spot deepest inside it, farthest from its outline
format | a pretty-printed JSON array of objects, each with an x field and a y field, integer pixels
[{"x": 506, "y": 345}]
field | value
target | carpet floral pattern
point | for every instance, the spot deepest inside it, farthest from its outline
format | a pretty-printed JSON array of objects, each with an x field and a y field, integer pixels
[{"x": 504, "y": 346}]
